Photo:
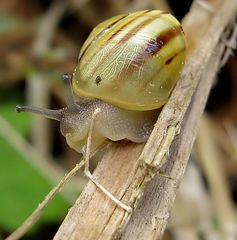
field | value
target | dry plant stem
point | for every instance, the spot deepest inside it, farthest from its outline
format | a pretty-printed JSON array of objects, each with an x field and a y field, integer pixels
[
  {"x": 117, "y": 158},
  {"x": 210, "y": 156},
  {"x": 47, "y": 26},
  {"x": 231, "y": 45},
  {"x": 160, "y": 192},
  {"x": 189, "y": 234},
  {"x": 232, "y": 134},
  {"x": 37, "y": 85},
  {"x": 38, "y": 211},
  {"x": 224, "y": 140},
  {"x": 162, "y": 5},
  {"x": 192, "y": 213},
  {"x": 38, "y": 95},
  {"x": 95, "y": 217},
  {"x": 153, "y": 4},
  {"x": 137, "y": 4},
  {"x": 48, "y": 169}
]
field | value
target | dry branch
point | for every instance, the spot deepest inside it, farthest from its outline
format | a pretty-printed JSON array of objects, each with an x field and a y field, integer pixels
[{"x": 132, "y": 175}]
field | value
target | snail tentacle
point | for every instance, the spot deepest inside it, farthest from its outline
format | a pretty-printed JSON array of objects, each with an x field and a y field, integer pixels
[
  {"x": 48, "y": 113},
  {"x": 70, "y": 101}
]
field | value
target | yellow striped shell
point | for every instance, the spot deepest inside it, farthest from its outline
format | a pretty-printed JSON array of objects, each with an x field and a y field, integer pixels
[{"x": 132, "y": 60}]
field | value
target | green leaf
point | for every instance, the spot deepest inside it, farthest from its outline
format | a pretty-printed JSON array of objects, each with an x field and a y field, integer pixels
[{"x": 22, "y": 187}]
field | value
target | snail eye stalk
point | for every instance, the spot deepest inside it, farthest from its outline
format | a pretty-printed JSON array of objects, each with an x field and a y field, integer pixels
[
  {"x": 70, "y": 101},
  {"x": 54, "y": 114},
  {"x": 48, "y": 113}
]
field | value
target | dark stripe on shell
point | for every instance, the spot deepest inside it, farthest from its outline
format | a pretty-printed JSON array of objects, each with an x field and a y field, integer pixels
[
  {"x": 113, "y": 35},
  {"x": 172, "y": 58},
  {"x": 161, "y": 67},
  {"x": 139, "y": 27},
  {"x": 99, "y": 34},
  {"x": 131, "y": 33},
  {"x": 129, "y": 22},
  {"x": 153, "y": 47}
]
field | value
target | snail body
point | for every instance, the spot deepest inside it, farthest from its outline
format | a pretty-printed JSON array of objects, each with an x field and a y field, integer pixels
[
  {"x": 127, "y": 69},
  {"x": 111, "y": 123}
]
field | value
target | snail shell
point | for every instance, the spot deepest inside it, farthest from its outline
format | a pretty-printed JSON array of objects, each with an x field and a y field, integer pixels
[{"x": 132, "y": 60}]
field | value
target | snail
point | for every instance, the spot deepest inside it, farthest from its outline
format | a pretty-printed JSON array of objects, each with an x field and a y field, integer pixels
[{"x": 126, "y": 70}]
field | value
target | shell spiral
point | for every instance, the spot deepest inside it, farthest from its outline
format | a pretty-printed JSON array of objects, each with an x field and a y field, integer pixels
[{"x": 132, "y": 60}]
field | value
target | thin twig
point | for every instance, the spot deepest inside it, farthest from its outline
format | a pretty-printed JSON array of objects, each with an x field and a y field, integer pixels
[
  {"x": 52, "y": 172},
  {"x": 38, "y": 211}
]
